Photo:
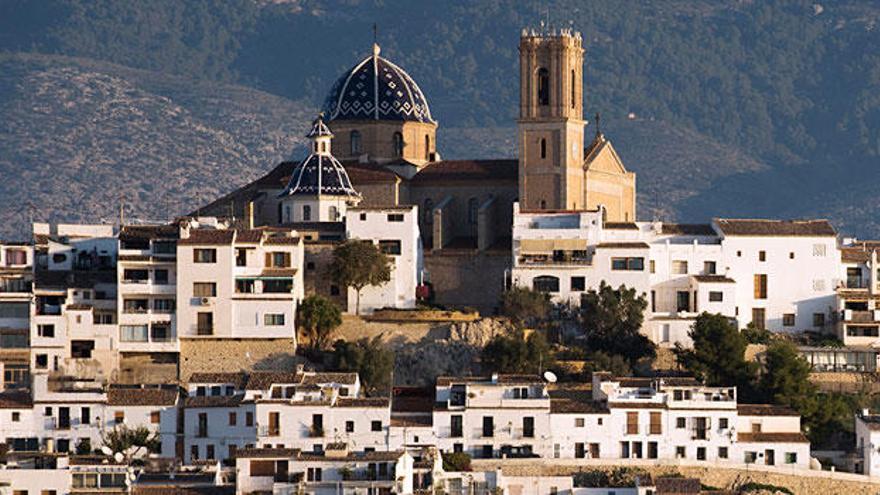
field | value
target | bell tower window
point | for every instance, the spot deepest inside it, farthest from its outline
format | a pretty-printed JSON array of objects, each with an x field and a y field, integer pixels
[
  {"x": 427, "y": 147},
  {"x": 543, "y": 87},
  {"x": 543, "y": 148},
  {"x": 398, "y": 144},
  {"x": 573, "y": 88},
  {"x": 355, "y": 138}
]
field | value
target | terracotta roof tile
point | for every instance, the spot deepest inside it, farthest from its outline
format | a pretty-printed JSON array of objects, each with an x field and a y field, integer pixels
[
  {"x": 764, "y": 410},
  {"x": 238, "y": 379},
  {"x": 775, "y": 437},
  {"x": 213, "y": 401},
  {"x": 412, "y": 399},
  {"x": 282, "y": 240},
  {"x": 248, "y": 236},
  {"x": 263, "y": 380},
  {"x": 445, "y": 381},
  {"x": 147, "y": 232},
  {"x": 414, "y": 420},
  {"x": 363, "y": 402},
  {"x": 209, "y": 237},
  {"x": 342, "y": 378},
  {"x": 785, "y": 228},
  {"x": 468, "y": 170},
  {"x": 125, "y": 396}
]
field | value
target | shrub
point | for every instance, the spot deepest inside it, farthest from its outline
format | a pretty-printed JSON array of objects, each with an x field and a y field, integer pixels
[{"x": 456, "y": 461}]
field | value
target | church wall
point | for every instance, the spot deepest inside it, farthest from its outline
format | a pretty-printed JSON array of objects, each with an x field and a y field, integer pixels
[
  {"x": 505, "y": 194},
  {"x": 379, "y": 194},
  {"x": 377, "y": 139},
  {"x": 616, "y": 192},
  {"x": 471, "y": 279}
]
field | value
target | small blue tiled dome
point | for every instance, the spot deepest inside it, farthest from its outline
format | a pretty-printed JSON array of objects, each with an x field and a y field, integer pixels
[
  {"x": 320, "y": 174},
  {"x": 376, "y": 89}
]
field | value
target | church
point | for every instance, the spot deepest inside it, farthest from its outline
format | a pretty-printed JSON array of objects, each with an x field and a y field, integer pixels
[{"x": 385, "y": 154}]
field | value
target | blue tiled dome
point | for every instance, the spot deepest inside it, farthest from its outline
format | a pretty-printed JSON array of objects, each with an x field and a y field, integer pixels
[
  {"x": 320, "y": 174},
  {"x": 376, "y": 89}
]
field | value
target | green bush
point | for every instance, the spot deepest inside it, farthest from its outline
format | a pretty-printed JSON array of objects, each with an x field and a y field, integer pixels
[
  {"x": 752, "y": 486},
  {"x": 755, "y": 335},
  {"x": 456, "y": 461}
]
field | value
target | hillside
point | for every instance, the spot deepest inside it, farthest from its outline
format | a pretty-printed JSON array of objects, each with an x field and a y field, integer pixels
[
  {"x": 79, "y": 136},
  {"x": 742, "y": 108}
]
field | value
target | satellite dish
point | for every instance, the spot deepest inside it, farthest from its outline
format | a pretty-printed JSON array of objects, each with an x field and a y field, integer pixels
[
  {"x": 550, "y": 376},
  {"x": 107, "y": 450},
  {"x": 118, "y": 457}
]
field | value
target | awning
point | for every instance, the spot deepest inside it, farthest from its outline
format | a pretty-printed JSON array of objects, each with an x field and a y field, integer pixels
[{"x": 547, "y": 246}]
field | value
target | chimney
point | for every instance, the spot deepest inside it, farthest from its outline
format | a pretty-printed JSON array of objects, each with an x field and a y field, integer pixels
[
  {"x": 494, "y": 377},
  {"x": 249, "y": 214}
]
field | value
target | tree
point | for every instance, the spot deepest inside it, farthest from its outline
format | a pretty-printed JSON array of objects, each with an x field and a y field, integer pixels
[
  {"x": 523, "y": 305},
  {"x": 372, "y": 361},
  {"x": 318, "y": 317},
  {"x": 357, "y": 264},
  {"x": 615, "y": 364},
  {"x": 516, "y": 354},
  {"x": 718, "y": 354},
  {"x": 612, "y": 320},
  {"x": 121, "y": 438}
]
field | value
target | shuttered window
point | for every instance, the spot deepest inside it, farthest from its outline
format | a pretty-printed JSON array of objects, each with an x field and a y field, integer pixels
[
  {"x": 632, "y": 423},
  {"x": 760, "y": 286},
  {"x": 656, "y": 429}
]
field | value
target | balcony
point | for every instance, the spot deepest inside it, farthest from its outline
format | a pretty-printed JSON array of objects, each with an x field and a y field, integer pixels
[
  {"x": 858, "y": 316},
  {"x": 553, "y": 260},
  {"x": 16, "y": 286}
]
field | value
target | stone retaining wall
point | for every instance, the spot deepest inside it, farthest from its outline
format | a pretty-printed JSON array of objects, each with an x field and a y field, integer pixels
[{"x": 218, "y": 355}]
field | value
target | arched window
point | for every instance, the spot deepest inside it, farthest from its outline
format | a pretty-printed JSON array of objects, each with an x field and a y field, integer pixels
[
  {"x": 398, "y": 144},
  {"x": 355, "y": 138},
  {"x": 545, "y": 283},
  {"x": 429, "y": 211},
  {"x": 543, "y": 205},
  {"x": 543, "y": 148},
  {"x": 334, "y": 213},
  {"x": 543, "y": 87},
  {"x": 307, "y": 213},
  {"x": 573, "y": 88},
  {"x": 323, "y": 147},
  {"x": 473, "y": 209},
  {"x": 427, "y": 147}
]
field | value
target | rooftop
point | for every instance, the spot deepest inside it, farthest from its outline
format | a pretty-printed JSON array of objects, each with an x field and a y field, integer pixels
[{"x": 785, "y": 228}]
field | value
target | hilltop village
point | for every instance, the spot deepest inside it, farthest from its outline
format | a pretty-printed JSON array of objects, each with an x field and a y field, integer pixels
[{"x": 182, "y": 357}]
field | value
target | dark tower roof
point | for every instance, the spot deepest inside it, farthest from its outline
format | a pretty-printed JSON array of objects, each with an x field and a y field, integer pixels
[{"x": 376, "y": 89}]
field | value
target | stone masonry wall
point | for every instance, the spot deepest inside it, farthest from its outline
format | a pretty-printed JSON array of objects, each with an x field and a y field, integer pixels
[{"x": 218, "y": 355}]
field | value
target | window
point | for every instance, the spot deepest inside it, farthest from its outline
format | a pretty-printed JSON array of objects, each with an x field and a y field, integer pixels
[
  {"x": 307, "y": 213},
  {"x": 543, "y": 148},
  {"x": 429, "y": 211},
  {"x": 543, "y": 87},
  {"x": 205, "y": 323},
  {"x": 791, "y": 255},
  {"x": 16, "y": 416},
  {"x": 16, "y": 257},
  {"x": 759, "y": 318},
  {"x": 47, "y": 331},
  {"x": 233, "y": 419},
  {"x": 722, "y": 423},
  {"x": 632, "y": 423},
  {"x": 249, "y": 418},
  {"x": 545, "y": 283},
  {"x": 716, "y": 296},
  {"x": 390, "y": 247},
  {"x": 273, "y": 319},
  {"x": 788, "y": 320},
  {"x": 680, "y": 452},
  {"x": 245, "y": 286},
  {"x": 278, "y": 259},
  {"x": 709, "y": 267},
  {"x": 762, "y": 255},
  {"x": 397, "y": 144},
  {"x": 333, "y": 213},
  {"x": 473, "y": 208},
  {"x": 349, "y": 426},
  {"x": 204, "y": 289},
  {"x": 278, "y": 286},
  {"x": 573, "y": 88},
  {"x": 164, "y": 247},
  {"x": 655, "y": 427},
  {"x": 488, "y": 426},
  {"x": 241, "y": 257},
  {"x": 82, "y": 349},
  {"x": 701, "y": 453},
  {"x": 355, "y": 138},
  {"x": 579, "y": 422},
  {"x": 163, "y": 305},
  {"x": 42, "y": 361},
  {"x": 103, "y": 318},
  {"x": 679, "y": 267},
  {"x": 680, "y": 423},
  {"x": 818, "y": 319},
  {"x": 750, "y": 457},
  {"x": 119, "y": 417},
  {"x": 683, "y": 301},
  {"x": 205, "y": 255},
  {"x": 791, "y": 457},
  {"x": 631, "y": 264},
  {"x": 653, "y": 266},
  {"x": 334, "y": 290},
  {"x": 313, "y": 474},
  {"x": 528, "y": 424},
  {"x": 578, "y": 284},
  {"x": 395, "y": 217},
  {"x": 760, "y": 286},
  {"x": 209, "y": 452},
  {"x": 722, "y": 452},
  {"x": 455, "y": 426},
  {"x": 375, "y": 426},
  {"x": 819, "y": 250},
  {"x": 363, "y": 217},
  {"x": 155, "y": 417}
]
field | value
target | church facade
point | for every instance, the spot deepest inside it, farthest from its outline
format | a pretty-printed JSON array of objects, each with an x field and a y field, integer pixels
[{"x": 384, "y": 136}]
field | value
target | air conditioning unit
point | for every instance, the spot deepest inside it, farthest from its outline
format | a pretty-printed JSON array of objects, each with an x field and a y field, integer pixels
[{"x": 202, "y": 301}]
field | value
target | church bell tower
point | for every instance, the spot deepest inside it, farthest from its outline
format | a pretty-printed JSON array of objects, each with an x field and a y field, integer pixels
[{"x": 551, "y": 125}]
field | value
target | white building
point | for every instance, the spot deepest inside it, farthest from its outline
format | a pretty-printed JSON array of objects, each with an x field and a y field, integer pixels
[
  {"x": 16, "y": 293},
  {"x": 779, "y": 275},
  {"x": 234, "y": 283},
  {"x": 867, "y": 432},
  {"x": 395, "y": 230}
]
